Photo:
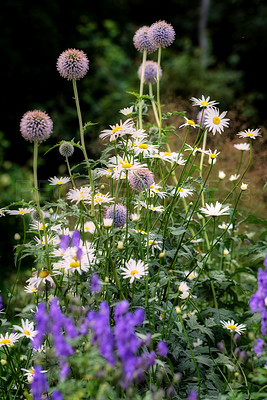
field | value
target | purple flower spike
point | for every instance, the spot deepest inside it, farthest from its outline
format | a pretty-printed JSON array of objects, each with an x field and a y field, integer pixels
[
  {"x": 258, "y": 347},
  {"x": 192, "y": 395},
  {"x": 56, "y": 395},
  {"x": 64, "y": 243},
  {"x": 42, "y": 325},
  {"x": 162, "y": 349},
  {"x": 76, "y": 238},
  {"x": 265, "y": 261},
  {"x": 95, "y": 284},
  {"x": 39, "y": 384}
]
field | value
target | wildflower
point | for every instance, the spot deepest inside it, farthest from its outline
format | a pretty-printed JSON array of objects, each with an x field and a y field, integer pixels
[
  {"x": 215, "y": 211},
  {"x": 192, "y": 395},
  {"x": 120, "y": 166},
  {"x": 36, "y": 126},
  {"x": 141, "y": 146},
  {"x": 107, "y": 222},
  {"x": 30, "y": 373},
  {"x": 190, "y": 275},
  {"x": 66, "y": 149},
  {"x": 162, "y": 349},
  {"x": 151, "y": 207},
  {"x": 27, "y": 330},
  {"x": 259, "y": 347},
  {"x": 250, "y": 133},
  {"x": 20, "y": 211},
  {"x": 43, "y": 277},
  {"x": 234, "y": 177},
  {"x": 216, "y": 121},
  {"x": 118, "y": 130},
  {"x": 182, "y": 192},
  {"x": 221, "y": 175},
  {"x": 154, "y": 189},
  {"x": 150, "y": 72},
  {"x": 2, "y": 212},
  {"x": 58, "y": 181},
  {"x": 134, "y": 270},
  {"x": 242, "y": 146},
  {"x": 141, "y": 179},
  {"x": 161, "y": 33},
  {"x": 30, "y": 289},
  {"x": 81, "y": 194},
  {"x": 142, "y": 41},
  {"x": 118, "y": 214},
  {"x": 42, "y": 325},
  {"x": 189, "y": 122},
  {"x": 89, "y": 226},
  {"x": 233, "y": 327},
  {"x": 212, "y": 156},
  {"x": 127, "y": 110},
  {"x": 72, "y": 64},
  {"x": 244, "y": 186},
  {"x": 184, "y": 289},
  {"x": 120, "y": 245},
  {"x": 9, "y": 339},
  {"x": 39, "y": 385},
  {"x": 56, "y": 395},
  {"x": 258, "y": 300},
  {"x": 95, "y": 284},
  {"x": 203, "y": 102}
]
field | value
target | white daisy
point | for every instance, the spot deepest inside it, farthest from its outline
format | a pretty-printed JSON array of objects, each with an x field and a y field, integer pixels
[
  {"x": 194, "y": 150},
  {"x": 43, "y": 277},
  {"x": 216, "y": 121},
  {"x": 190, "y": 275},
  {"x": 215, "y": 211},
  {"x": 233, "y": 327},
  {"x": 29, "y": 373},
  {"x": 127, "y": 110},
  {"x": 89, "y": 226},
  {"x": 203, "y": 102},
  {"x": 140, "y": 146},
  {"x": 134, "y": 270},
  {"x": 20, "y": 211},
  {"x": 182, "y": 192},
  {"x": 101, "y": 198},
  {"x": 212, "y": 155},
  {"x": 2, "y": 212},
  {"x": 118, "y": 130},
  {"x": 189, "y": 122},
  {"x": 26, "y": 330},
  {"x": 58, "y": 181},
  {"x": 184, "y": 289},
  {"x": 244, "y": 186},
  {"x": 81, "y": 194},
  {"x": 250, "y": 133},
  {"x": 107, "y": 222},
  {"x": 234, "y": 177},
  {"x": 171, "y": 157},
  {"x": 120, "y": 166},
  {"x": 155, "y": 190},
  {"x": 9, "y": 339},
  {"x": 223, "y": 225},
  {"x": 71, "y": 262},
  {"x": 30, "y": 289},
  {"x": 242, "y": 146},
  {"x": 151, "y": 207}
]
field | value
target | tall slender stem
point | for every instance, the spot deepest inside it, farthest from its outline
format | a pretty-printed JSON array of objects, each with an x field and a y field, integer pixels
[
  {"x": 158, "y": 92},
  {"x": 141, "y": 88},
  {"x": 153, "y": 104}
]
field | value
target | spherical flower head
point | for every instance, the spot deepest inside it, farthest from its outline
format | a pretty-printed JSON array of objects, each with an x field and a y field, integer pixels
[
  {"x": 141, "y": 178},
  {"x": 72, "y": 64},
  {"x": 150, "y": 73},
  {"x": 162, "y": 34},
  {"x": 118, "y": 214},
  {"x": 142, "y": 41},
  {"x": 66, "y": 149},
  {"x": 36, "y": 126}
]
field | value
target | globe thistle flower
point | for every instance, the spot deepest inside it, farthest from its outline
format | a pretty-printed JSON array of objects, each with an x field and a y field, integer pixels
[
  {"x": 141, "y": 178},
  {"x": 161, "y": 34},
  {"x": 118, "y": 213},
  {"x": 36, "y": 126},
  {"x": 72, "y": 64},
  {"x": 142, "y": 41},
  {"x": 150, "y": 73},
  {"x": 66, "y": 149}
]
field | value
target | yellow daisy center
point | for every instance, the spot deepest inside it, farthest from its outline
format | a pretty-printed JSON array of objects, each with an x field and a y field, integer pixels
[
  {"x": 22, "y": 212},
  {"x": 143, "y": 146},
  {"x": 212, "y": 155},
  {"x": 127, "y": 165},
  {"x": 232, "y": 327},
  {"x": 134, "y": 272},
  {"x": 43, "y": 274},
  {"x": 27, "y": 332},
  {"x": 151, "y": 207},
  {"x": 5, "y": 341},
  {"x": 116, "y": 129},
  {"x": 32, "y": 371},
  {"x": 75, "y": 264},
  {"x": 167, "y": 153},
  {"x": 216, "y": 120},
  {"x": 250, "y": 134},
  {"x": 191, "y": 276},
  {"x": 204, "y": 103},
  {"x": 59, "y": 182},
  {"x": 34, "y": 290},
  {"x": 190, "y": 122}
]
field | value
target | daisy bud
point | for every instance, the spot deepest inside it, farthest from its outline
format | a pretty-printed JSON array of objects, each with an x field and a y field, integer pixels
[
  {"x": 107, "y": 222},
  {"x": 72, "y": 64},
  {"x": 162, "y": 254},
  {"x": 36, "y": 126},
  {"x": 120, "y": 245},
  {"x": 17, "y": 236},
  {"x": 221, "y": 175},
  {"x": 244, "y": 186},
  {"x": 3, "y": 361}
]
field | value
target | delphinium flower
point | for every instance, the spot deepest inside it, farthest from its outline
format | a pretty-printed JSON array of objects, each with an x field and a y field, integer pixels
[
  {"x": 56, "y": 395},
  {"x": 134, "y": 270},
  {"x": 161, "y": 33},
  {"x": 58, "y": 181},
  {"x": 36, "y": 126},
  {"x": 95, "y": 284},
  {"x": 118, "y": 130},
  {"x": 20, "y": 211},
  {"x": 189, "y": 122},
  {"x": 203, "y": 102},
  {"x": 141, "y": 179},
  {"x": 82, "y": 194},
  {"x": 72, "y": 64},
  {"x": 150, "y": 72},
  {"x": 249, "y": 133},
  {"x": 258, "y": 300},
  {"x": 1, "y": 305},
  {"x": 215, "y": 210},
  {"x": 118, "y": 213},
  {"x": 233, "y": 327},
  {"x": 142, "y": 41},
  {"x": 216, "y": 121},
  {"x": 66, "y": 149},
  {"x": 42, "y": 321},
  {"x": 39, "y": 385},
  {"x": 9, "y": 339},
  {"x": 259, "y": 347},
  {"x": 192, "y": 395},
  {"x": 242, "y": 146},
  {"x": 26, "y": 330},
  {"x": 162, "y": 349}
]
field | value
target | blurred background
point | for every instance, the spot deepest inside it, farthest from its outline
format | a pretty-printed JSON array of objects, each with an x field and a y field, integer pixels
[{"x": 219, "y": 51}]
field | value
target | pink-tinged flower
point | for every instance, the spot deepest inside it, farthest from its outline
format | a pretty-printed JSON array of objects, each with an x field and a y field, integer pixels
[
  {"x": 142, "y": 41},
  {"x": 36, "y": 126},
  {"x": 161, "y": 33},
  {"x": 150, "y": 73},
  {"x": 72, "y": 64}
]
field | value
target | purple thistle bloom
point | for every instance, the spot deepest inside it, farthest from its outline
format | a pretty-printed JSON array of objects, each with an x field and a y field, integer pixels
[
  {"x": 162, "y": 349},
  {"x": 150, "y": 73},
  {"x": 161, "y": 33},
  {"x": 141, "y": 178},
  {"x": 95, "y": 284},
  {"x": 39, "y": 385},
  {"x": 258, "y": 347},
  {"x": 142, "y": 41},
  {"x": 118, "y": 214},
  {"x": 36, "y": 126},
  {"x": 56, "y": 395},
  {"x": 72, "y": 64}
]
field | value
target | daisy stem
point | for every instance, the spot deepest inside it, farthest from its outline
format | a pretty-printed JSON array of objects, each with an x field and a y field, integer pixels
[
  {"x": 158, "y": 92},
  {"x": 184, "y": 142},
  {"x": 240, "y": 162},
  {"x": 153, "y": 104},
  {"x": 141, "y": 89},
  {"x": 76, "y": 97}
]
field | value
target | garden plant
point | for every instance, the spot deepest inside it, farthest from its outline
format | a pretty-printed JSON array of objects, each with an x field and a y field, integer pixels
[{"x": 139, "y": 286}]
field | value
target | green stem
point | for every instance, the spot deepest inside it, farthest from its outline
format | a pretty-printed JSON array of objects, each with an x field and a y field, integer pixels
[
  {"x": 153, "y": 104},
  {"x": 141, "y": 88},
  {"x": 158, "y": 92}
]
